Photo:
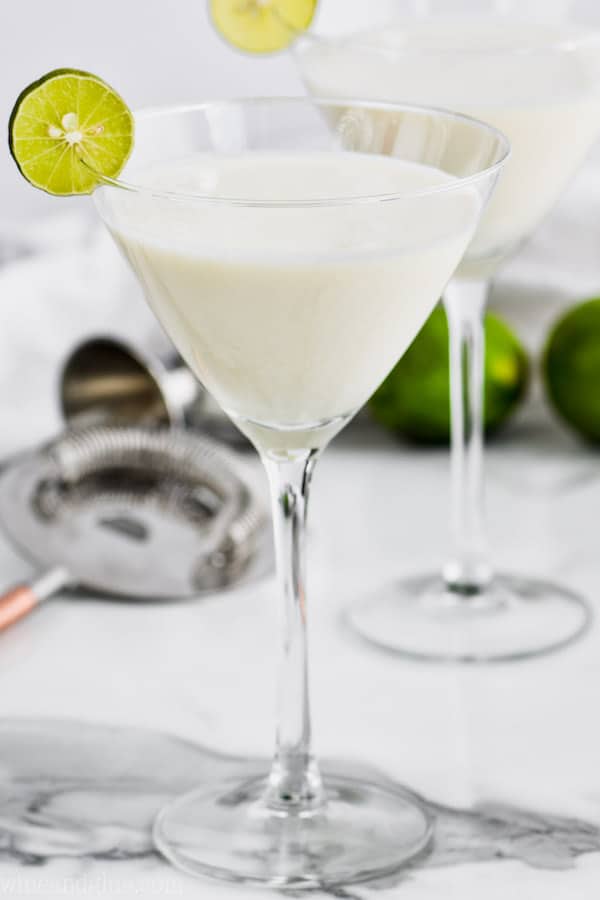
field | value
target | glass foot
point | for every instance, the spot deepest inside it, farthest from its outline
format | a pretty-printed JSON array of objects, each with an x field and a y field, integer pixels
[
  {"x": 513, "y": 618},
  {"x": 365, "y": 831}
]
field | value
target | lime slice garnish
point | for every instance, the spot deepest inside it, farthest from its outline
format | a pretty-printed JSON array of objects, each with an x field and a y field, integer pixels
[
  {"x": 262, "y": 26},
  {"x": 67, "y": 126}
]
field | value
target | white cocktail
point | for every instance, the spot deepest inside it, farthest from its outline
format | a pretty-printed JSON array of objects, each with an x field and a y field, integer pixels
[
  {"x": 292, "y": 249},
  {"x": 292, "y": 325},
  {"x": 539, "y": 82},
  {"x": 512, "y": 73}
]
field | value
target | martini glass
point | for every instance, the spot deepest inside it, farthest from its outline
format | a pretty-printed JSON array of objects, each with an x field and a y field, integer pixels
[
  {"x": 292, "y": 249},
  {"x": 534, "y": 72}
]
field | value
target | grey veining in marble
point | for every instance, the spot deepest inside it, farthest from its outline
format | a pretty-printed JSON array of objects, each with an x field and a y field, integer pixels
[{"x": 70, "y": 789}]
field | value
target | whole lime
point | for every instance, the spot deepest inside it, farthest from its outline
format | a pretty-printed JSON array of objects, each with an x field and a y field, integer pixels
[
  {"x": 571, "y": 368},
  {"x": 414, "y": 400}
]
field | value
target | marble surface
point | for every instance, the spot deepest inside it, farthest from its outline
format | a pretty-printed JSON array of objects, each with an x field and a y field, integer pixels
[{"x": 108, "y": 709}]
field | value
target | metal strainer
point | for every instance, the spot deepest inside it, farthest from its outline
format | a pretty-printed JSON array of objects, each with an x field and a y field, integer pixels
[{"x": 131, "y": 512}]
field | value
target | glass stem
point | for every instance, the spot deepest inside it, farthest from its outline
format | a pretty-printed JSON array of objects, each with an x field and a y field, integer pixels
[
  {"x": 469, "y": 570},
  {"x": 294, "y": 780}
]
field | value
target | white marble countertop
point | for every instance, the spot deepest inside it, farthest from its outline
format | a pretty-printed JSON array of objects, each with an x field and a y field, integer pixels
[{"x": 107, "y": 709}]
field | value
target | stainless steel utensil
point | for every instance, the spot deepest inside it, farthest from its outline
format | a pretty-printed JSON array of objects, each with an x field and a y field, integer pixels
[
  {"x": 109, "y": 381},
  {"x": 131, "y": 512},
  {"x": 106, "y": 380}
]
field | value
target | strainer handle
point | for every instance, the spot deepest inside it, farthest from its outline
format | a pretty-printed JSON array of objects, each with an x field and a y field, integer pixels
[
  {"x": 16, "y": 603},
  {"x": 19, "y": 600}
]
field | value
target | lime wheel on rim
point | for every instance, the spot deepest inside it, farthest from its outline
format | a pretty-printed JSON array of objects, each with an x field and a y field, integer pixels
[
  {"x": 261, "y": 26},
  {"x": 66, "y": 129}
]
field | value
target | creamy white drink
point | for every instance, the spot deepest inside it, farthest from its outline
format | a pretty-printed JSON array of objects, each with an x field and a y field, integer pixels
[
  {"x": 292, "y": 315},
  {"x": 537, "y": 83}
]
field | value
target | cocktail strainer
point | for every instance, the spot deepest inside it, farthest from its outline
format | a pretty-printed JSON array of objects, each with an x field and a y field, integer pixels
[{"x": 133, "y": 513}]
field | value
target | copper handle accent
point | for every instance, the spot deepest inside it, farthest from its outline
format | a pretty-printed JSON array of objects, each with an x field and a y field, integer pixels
[
  {"x": 16, "y": 603},
  {"x": 20, "y": 600}
]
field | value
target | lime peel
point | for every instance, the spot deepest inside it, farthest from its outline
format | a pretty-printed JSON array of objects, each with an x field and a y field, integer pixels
[
  {"x": 414, "y": 400},
  {"x": 571, "y": 368}
]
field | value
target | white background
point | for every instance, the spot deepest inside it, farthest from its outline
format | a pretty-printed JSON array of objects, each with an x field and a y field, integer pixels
[{"x": 152, "y": 51}]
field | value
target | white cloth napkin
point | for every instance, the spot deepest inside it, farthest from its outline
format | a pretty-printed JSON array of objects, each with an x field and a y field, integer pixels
[{"x": 48, "y": 304}]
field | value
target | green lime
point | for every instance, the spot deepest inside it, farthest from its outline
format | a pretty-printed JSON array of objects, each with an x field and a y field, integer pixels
[
  {"x": 414, "y": 400},
  {"x": 571, "y": 368},
  {"x": 261, "y": 26},
  {"x": 67, "y": 126}
]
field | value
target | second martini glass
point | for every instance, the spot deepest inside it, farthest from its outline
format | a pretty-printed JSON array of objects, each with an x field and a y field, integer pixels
[
  {"x": 293, "y": 249},
  {"x": 539, "y": 82}
]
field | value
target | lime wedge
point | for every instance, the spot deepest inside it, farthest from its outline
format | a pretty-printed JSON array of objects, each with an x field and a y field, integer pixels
[
  {"x": 262, "y": 26},
  {"x": 67, "y": 126}
]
